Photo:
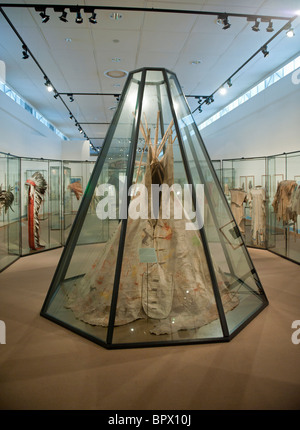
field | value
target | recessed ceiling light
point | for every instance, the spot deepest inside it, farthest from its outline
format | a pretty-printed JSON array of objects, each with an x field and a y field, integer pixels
[
  {"x": 68, "y": 39},
  {"x": 116, "y": 74},
  {"x": 115, "y": 16},
  {"x": 116, "y": 40},
  {"x": 116, "y": 60},
  {"x": 195, "y": 62}
]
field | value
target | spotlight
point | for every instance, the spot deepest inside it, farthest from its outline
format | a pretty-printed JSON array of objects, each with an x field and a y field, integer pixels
[
  {"x": 209, "y": 100},
  {"x": 92, "y": 18},
  {"x": 79, "y": 19},
  {"x": 63, "y": 16},
  {"x": 265, "y": 51},
  {"x": 24, "y": 52},
  {"x": 226, "y": 24},
  {"x": 229, "y": 83},
  {"x": 270, "y": 27},
  {"x": 45, "y": 18},
  {"x": 56, "y": 95},
  {"x": 223, "y": 91},
  {"x": 71, "y": 97},
  {"x": 71, "y": 116},
  {"x": 199, "y": 109},
  {"x": 255, "y": 27},
  {"x": 290, "y": 31},
  {"x": 48, "y": 84}
]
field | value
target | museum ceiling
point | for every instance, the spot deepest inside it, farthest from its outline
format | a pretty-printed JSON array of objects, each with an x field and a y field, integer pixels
[{"x": 78, "y": 58}]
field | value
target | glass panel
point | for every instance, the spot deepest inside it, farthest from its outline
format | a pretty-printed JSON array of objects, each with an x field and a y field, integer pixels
[
  {"x": 97, "y": 233},
  {"x": 217, "y": 166},
  {"x": 229, "y": 255},
  {"x": 293, "y": 228},
  {"x": 250, "y": 176},
  {"x": 67, "y": 202},
  {"x": 165, "y": 291},
  {"x": 55, "y": 208},
  {"x": 9, "y": 210},
  {"x": 228, "y": 178},
  {"x": 74, "y": 185},
  {"x": 277, "y": 226},
  {"x": 81, "y": 296},
  {"x": 35, "y": 205},
  {"x": 76, "y": 177}
]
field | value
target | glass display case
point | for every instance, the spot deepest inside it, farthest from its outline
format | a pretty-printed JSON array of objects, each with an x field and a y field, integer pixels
[
  {"x": 67, "y": 201},
  {"x": 284, "y": 207},
  {"x": 293, "y": 236},
  {"x": 35, "y": 205},
  {"x": 9, "y": 209},
  {"x": 258, "y": 178},
  {"x": 173, "y": 268},
  {"x": 277, "y": 234},
  {"x": 76, "y": 177},
  {"x": 55, "y": 203},
  {"x": 245, "y": 184}
]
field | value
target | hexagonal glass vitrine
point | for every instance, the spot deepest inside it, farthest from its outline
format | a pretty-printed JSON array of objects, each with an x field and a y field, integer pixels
[{"x": 174, "y": 268}]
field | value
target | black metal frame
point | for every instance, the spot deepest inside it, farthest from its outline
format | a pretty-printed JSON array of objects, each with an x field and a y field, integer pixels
[{"x": 79, "y": 220}]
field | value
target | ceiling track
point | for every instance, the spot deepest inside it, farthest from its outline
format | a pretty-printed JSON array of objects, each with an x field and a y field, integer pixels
[{"x": 89, "y": 9}]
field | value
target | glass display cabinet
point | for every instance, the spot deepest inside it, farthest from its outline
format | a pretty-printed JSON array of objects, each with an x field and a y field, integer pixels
[
  {"x": 75, "y": 180},
  {"x": 277, "y": 227},
  {"x": 67, "y": 201},
  {"x": 35, "y": 205},
  {"x": 246, "y": 180},
  {"x": 55, "y": 203},
  {"x": 9, "y": 209},
  {"x": 293, "y": 236},
  {"x": 284, "y": 207},
  {"x": 173, "y": 268}
]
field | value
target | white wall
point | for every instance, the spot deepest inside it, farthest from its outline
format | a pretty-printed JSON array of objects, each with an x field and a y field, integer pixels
[
  {"x": 23, "y": 135},
  {"x": 75, "y": 150},
  {"x": 267, "y": 124}
]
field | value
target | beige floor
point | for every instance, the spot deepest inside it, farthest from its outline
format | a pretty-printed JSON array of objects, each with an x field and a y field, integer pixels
[{"x": 44, "y": 366}]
